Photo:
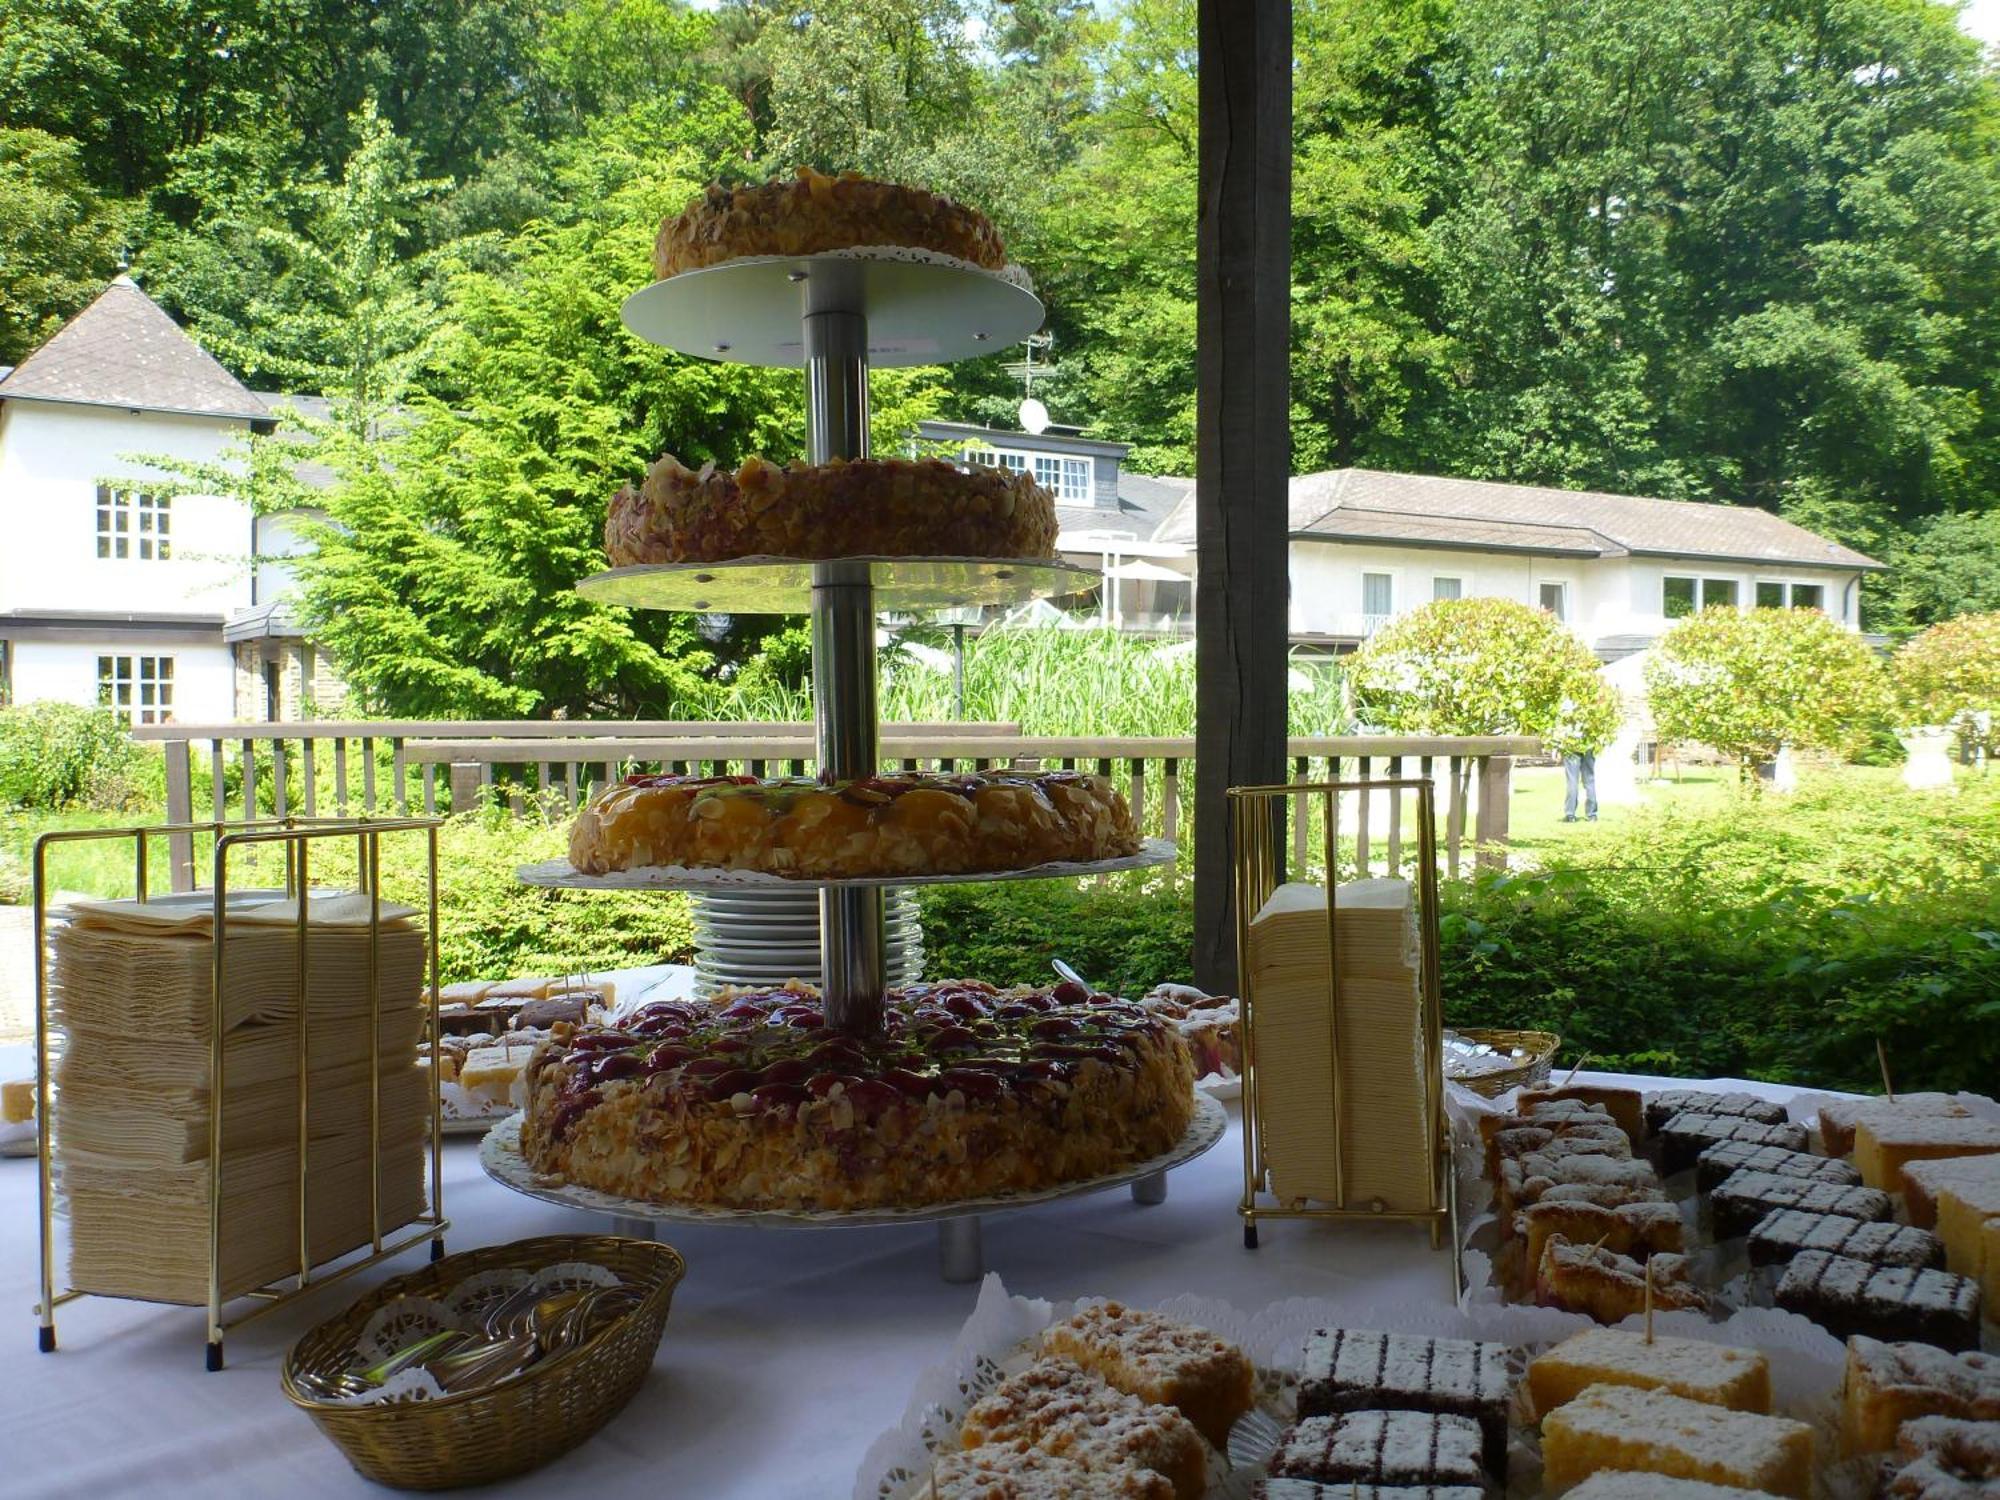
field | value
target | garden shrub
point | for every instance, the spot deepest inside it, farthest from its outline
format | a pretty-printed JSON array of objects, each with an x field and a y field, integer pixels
[
  {"x": 1765, "y": 938},
  {"x": 1950, "y": 676},
  {"x": 491, "y": 926},
  {"x": 57, "y": 755},
  {"x": 1751, "y": 682}
]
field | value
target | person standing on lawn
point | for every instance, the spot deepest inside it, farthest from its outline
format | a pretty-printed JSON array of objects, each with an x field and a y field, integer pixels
[{"x": 1581, "y": 729}]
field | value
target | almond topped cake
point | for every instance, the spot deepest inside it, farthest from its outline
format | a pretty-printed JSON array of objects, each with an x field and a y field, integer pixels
[
  {"x": 860, "y": 507},
  {"x": 811, "y": 214},
  {"x": 903, "y": 823},
  {"x": 750, "y": 1103},
  {"x": 1060, "y": 1407}
]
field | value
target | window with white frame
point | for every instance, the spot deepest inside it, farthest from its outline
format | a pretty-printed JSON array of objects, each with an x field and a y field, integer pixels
[
  {"x": 133, "y": 524},
  {"x": 1554, "y": 597},
  {"x": 1447, "y": 586},
  {"x": 1068, "y": 479},
  {"x": 1682, "y": 595},
  {"x": 1378, "y": 597},
  {"x": 1775, "y": 593},
  {"x": 139, "y": 689}
]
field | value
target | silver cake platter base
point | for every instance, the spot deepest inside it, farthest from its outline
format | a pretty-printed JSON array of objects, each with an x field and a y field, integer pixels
[
  {"x": 561, "y": 874},
  {"x": 959, "y": 1252},
  {"x": 784, "y": 585},
  {"x": 922, "y": 308}
]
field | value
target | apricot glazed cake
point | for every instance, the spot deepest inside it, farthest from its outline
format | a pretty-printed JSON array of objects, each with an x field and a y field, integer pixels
[
  {"x": 909, "y": 823},
  {"x": 811, "y": 213},
  {"x": 863, "y": 507},
  {"x": 750, "y": 1103}
]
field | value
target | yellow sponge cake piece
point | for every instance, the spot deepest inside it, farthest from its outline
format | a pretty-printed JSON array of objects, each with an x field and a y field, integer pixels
[
  {"x": 1924, "y": 1180},
  {"x": 1884, "y": 1146},
  {"x": 1838, "y": 1118},
  {"x": 1656, "y": 1432},
  {"x": 17, "y": 1101},
  {"x": 1713, "y": 1373}
]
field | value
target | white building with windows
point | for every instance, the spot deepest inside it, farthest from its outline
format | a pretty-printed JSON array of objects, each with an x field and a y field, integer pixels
[
  {"x": 112, "y": 590},
  {"x": 1367, "y": 546}
]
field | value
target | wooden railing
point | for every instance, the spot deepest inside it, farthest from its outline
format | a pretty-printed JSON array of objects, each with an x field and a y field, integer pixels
[{"x": 549, "y": 766}]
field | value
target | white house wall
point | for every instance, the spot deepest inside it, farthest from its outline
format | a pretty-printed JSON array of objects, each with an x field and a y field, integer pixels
[
  {"x": 66, "y": 672},
  {"x": 51, "y": 460},
  {"x": 1615, "y": 596}
]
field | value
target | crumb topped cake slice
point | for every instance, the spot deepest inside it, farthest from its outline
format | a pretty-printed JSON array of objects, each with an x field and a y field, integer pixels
[
  {"x": 1016, "y": 1471},
  {"x": 1058, "y": 1406},
  {"x": 1158, "y": 1360}
]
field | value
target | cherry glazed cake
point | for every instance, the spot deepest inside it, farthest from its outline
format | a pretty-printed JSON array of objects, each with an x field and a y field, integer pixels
[
  {"x": 749, "y": 1102},
  {"x": 862, "y": 507},
  {"x": 812, "y": 213},
  {"x": 907, "y": 823}
]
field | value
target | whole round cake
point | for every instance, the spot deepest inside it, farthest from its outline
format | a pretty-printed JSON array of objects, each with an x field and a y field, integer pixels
[
  {"x": 812, "y": 213},
  {"x": 748, "y": 1102},
  {"x": 864, "y": 507},
  {"x": 907, "y": 823}
]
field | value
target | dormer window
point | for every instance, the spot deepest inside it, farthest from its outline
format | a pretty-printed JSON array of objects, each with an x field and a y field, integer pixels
[
  {"x": 133, "y": 524},
  {"x": 1068, "y": 479}
]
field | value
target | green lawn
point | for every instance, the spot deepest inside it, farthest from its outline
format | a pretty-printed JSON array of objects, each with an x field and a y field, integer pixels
[
  {"x": 93, "y": 867},
  {"x": 1534, "y": 816}
]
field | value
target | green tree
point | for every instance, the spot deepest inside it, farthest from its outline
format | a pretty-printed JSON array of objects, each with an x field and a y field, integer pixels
[
  {"x": 1752, "y": 682},
  {"x": 60, "y": 240},
  {"x": 1950, "y": 676},
  {"x": 1484, "y": 666}
]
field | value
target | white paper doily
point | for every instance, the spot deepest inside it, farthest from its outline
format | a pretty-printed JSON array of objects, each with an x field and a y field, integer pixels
[{"x": 500, "y": 1156}]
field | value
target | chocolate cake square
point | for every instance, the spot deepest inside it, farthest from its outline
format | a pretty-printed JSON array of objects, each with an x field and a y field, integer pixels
[
  {"x": 1683, "y": 1138},
  {"x": 1784, "y": 1232},
  {"x": 1719, "y": 1162},
  {"x": 1663, "y": 1106},
  {"x": 1346, "y": 1369},
  {"x": 1382, "y": 1447},
  {"x": 1737, "y": 1205},
  {"x": 1848, "y": 1297}
]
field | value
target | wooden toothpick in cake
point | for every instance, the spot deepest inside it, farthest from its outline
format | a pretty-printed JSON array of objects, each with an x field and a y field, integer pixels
[
  {"x": 1649, "y": 1301},
  {"x": 1882, "y": 1057},
  {"x": 1576, "y": 1067}
]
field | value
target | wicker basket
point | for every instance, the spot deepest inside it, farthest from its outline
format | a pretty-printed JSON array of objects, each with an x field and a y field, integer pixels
[
  {"x": 1533, "y": 1053},
  {"x": 479, "y": 1436}
]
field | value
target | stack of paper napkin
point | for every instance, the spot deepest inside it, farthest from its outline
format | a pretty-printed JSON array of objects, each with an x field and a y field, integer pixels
[
  {"x": 1367, "y": 991},
  {"x": 133, "y": 997}
]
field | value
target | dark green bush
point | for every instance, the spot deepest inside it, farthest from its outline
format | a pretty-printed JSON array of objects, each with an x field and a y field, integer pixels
[
  {"x": 57, "y": 755},
  {"x": 1773, "y": 937}
]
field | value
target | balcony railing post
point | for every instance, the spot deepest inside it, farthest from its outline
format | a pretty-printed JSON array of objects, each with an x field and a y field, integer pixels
[
  {"x": 1495, "y": 786},
  {"x": 180, "y": 809}
]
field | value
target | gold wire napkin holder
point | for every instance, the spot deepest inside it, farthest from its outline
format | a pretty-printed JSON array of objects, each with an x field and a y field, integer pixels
[
  {"x": 297, "y": 837},
  {"x": 1259, "y": 816}
]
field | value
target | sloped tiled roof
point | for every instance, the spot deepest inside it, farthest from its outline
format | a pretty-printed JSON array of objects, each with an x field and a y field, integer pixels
[
  {"x": 124, "y": 351},
  {"x": 1144, "y": 501},
  {"x": 1422, "y": 509}
]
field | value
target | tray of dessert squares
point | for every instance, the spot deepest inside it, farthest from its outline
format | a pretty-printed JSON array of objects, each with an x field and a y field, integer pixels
[
  {"x": 1323, "y": 1399},
  {"x": 488, "y": 1029},
  {"x": 1866, "y": 1216}
]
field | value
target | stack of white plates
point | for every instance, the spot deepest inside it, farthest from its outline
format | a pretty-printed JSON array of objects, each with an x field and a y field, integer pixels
[{"x": 750, "y": 936}]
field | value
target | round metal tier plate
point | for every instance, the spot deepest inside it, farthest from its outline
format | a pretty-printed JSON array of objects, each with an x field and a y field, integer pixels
[
  {"x": 500, "y": 1156},
  {"x": 920, "y": 311},
  {"x": 560, "y": 874},
  {"x": 784, "y": 586}
]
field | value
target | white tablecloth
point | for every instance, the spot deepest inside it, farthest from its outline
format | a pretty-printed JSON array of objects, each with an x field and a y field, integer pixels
[{"x": 787, "y": 1353}]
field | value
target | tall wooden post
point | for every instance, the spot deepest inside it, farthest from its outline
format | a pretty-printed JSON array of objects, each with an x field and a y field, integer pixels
[{"x": 1243, "y": 438}]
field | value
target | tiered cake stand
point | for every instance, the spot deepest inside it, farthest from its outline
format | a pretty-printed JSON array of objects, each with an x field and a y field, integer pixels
[{"x": 835, "y": 315}]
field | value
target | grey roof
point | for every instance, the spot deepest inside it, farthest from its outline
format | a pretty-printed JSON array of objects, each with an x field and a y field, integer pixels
[
  {"x": 124, "y": 351},
  {"x": 1431, "y": 510}
]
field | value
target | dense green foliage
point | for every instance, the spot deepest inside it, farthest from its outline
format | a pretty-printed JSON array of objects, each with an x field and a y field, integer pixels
[
  {"x": 55, "y": 756},
  {"x": 1766, "y": 938},
  {"x": 1774, "y": 938},
  {"x": 1719, "y": 250},
  {"x": 1950, "y": 675},
  {"x": 1752, "y": 682},
  {"x": 1484, "y": 666}
]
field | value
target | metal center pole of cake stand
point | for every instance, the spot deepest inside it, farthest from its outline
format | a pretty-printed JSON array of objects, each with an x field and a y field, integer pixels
[{"x": 853, "y": 957}]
